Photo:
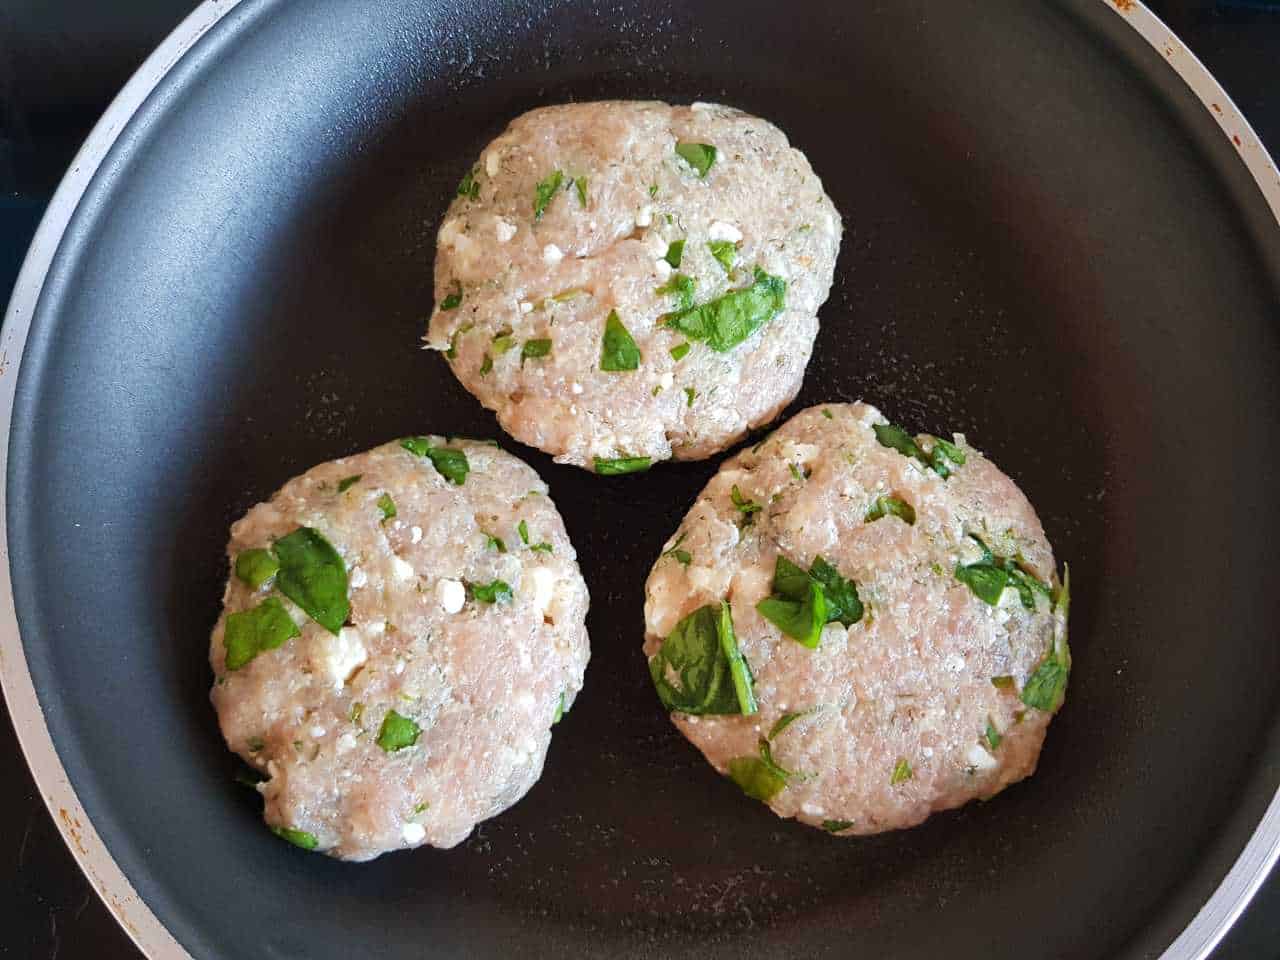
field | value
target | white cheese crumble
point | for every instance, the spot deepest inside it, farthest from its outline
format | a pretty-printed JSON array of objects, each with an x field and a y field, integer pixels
[
  {"x": 526, "y": 306},
  {"x": 504, "y": 229},
  {"x": 340, "y": 655},
  {"x": 413, "y": 833},
  {"x": 979, "y": 758},
  {"x": 663, "y": 268},
  {"x": 576, "y": 387},
  {"x": 544, "y": 583},
  {"x": 358, "y": 577},
  {"x": 317, "y": 732},
  {"x": 451, "y": 594},
  {"x": 403, "y": 570},
  {"x": 666, "y": 380},
  {"x": 552, "y": 254},
  {"x": 492, "y": 163},
  {"x": 415, "y": 534},
  {"x": 724, "y": 231},
  {"x": 644, "y": 216},
  {"x": 811, "y": 810}
]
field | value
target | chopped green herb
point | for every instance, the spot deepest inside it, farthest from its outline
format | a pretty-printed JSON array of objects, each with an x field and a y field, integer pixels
[
  {"x": 496, "y": 591},
  {"x": 469, "y": 187},
  {"x": 755, "y": 778},
  {"x": 784, "y": 721},
  {"x": 580, "y": 184},
  {"x": 618, "y": 352},
  {"x": 535, "y": 350},
  {"x": 1002, "y": 682},
  {"x": 986, "y": 581},
  {"x": 560, "y": 710},
  {"x": 901, "y": 772},
  {"x": 299, "y": 838},
  {"x": 891, "y": 507},
  {"x": 680, "y": 287},
  {"x": 621, "y": 465},
  {"x": 801, "y": 620},
  {"x": 454, "y": 300},
  {"x": 653, "y": 190},
  {"x": 1046, "y": 689},
  {"x": 397, "y": 732},
  {"x": 699, "y": 668},
  {"x": 700, "y": 156},
  {"x": 992, "y": 735},
  {"x": 255, "y": 744},
  {"x": 988, "y": 577},
  {"x": 730, "y": 319},
  {"x": 257, "y": 630},
  {"x": 357, "y": 711},
  {"x": 496, "y": 542},
  {"x": 895, "y": 438},
  {"x": 682, "y": 556},
  {"x": 827, "y": 413},
  {"x": 450, "y": 464},
  {"x": 795, "y": 472},
  {"x": 523, "y": 529},
  {"x": 745, "y": 505},
  {"x": 544, "y": 192},
  {"x": 943, "y": 451},
  {"x": 843, "y": 603},
  {"x": 725, "y": 252},
  {"x": 346, "y": 483},
  {"x": 387, "y": 506},
  {"x": 256, "y": 567},
  {"x": 836, "y": 826},
  {"x": 314, "y": 577},
  {"x": 679, "y": 350},
  {"x": 503, "y": 341},
  {"x": 690, "y": 395},
  {"x": 674, "y": 254},
  {"x": 766, "y": 756},
  {"x": 486, "y": 365},
  {"x": 420, "y": 808},
  {"x": 452, "y": 352},
  {"x": 543, "y": 547}
]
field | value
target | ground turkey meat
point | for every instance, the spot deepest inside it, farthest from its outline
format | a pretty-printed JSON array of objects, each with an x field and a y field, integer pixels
[
  {"x": 860, "y": 627},
  {"x": 626, "y": 282},
  {"x": 400, "y": 630}
]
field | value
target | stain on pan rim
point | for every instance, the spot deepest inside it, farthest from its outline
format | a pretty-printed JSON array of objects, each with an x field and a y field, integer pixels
[{"x": 1195, "y": 942}]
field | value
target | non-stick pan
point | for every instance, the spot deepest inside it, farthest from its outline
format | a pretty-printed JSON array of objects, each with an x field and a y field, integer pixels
[{"x": 1061, "y": 240}]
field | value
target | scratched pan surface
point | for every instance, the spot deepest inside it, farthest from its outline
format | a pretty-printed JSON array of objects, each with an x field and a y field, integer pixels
[{"x": 1049, "y": 247}]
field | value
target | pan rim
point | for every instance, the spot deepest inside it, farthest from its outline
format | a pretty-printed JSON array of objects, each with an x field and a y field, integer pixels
[{"x": 1209, "y": 925}]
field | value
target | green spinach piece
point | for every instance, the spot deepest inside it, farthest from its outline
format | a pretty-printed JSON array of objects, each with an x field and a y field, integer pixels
[
  {"x": 314, "y": 577},
  {"x": 618, "y": 351},
  {"x": 255, "y": 567},
  {"x": 726, "y": 321},
  {"x": 699, "y": 668},
  {"x": 257, "y": 630}
]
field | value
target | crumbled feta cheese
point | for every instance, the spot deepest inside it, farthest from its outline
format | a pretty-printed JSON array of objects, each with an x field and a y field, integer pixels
[
  {"x": 552, "y": 254},
  {"x": 415, "y": 534},
  {"x": 451, "y": 594},
  {"x": 492, "y": 163},
  {"x": 666, "y": 380},
  {"x": 450, "y": 232},
  {"x": 402, "y": 570},
  {"x": 979, "y": 758},
  {"x": 317, "y": 732},
  {"x": 358, "y": 577},
  {"x": 724, "y": 231},
  {"x": 376, "y": 627},
  {"x": 413, "y": 833},
  {"x": 575, "y": 387},
  {"x": 544, "y": 583},
  {"x": 811, "y": 810},
  {"x": 644, "y": 216},
  {"x": 346, "y": 743},
  {"x": 399, "y": 667},
  {"x": 525, "y": 700},
  {"x": 663, "y": 268},
  {"x": 526, "y": 306},
  {"x": 340, "y": 655},
  {"x": 504, "y": 229}
]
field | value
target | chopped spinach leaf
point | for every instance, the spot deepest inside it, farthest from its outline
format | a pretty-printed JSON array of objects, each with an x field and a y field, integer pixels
[
  {"x": 299, "y": 838},
  {"x": 621, "y": 465},
  {"x": 986, "y": 581},
  {"x": 454, "y": 300},
  {"x": 523, "y": 529},
  {"x": 728, "y": 320},
  {"x": 450, "y": 464},
  {"x": 901, "y": 772},
  {"x": 827, "y": 413},
  {"x": 387, "y": 506},
  {"x": 469, "y": 187},
  {"x": 503, "y": 341},
  {"x": 801, "y": 620},
  {"x": 314, "y": 577},
  {"x": 496, "y": 591},
  {"x": 560, "y": 710},
  {"x": 580, "y": 184},
  {"x": 397, "y": 732},
  {"x": 675, "y": 252},
  {"x": 690, "y": 395},
  {"x": 535, "y": 350},
  {"x": 891, "y": 507},
  {"x": 745, "y": 505},
  {"x": 486, "y": 365},
  {"x": 755, "y": 778},
  {"x": 544, "y": 192},
  {"x": 255, "y": 567},
  {"x": 257, "y": 630},
  {"x": 618, "y": 351},
  {"x": 700, "y": 156},
  {"x": 680, "y": 287},
  {"x": 841, "y": 595},
  {"x": 679, "y": 350},
  {"x": 699, "y": 669},
  {"x": 1046, "y": 689},
  {"x": 992, "y": 735},
  {"x": 939, "y": 457},
  {"x": 783, "y": 722},
  {"x": 725, "y": 252},
  {"x": 653, "y": 190},
  {"x": 346, "y": 483},
  {"x": 496, "y": 542},
  {"x": 1002, "y": 682},
  {"x": 895, "y": 438},
  {"x": 988, "y": 577},
  {"x": 682, "y": 556},
  {"x": 357, "y": 712},
  {"x": 836, "y": 826}
]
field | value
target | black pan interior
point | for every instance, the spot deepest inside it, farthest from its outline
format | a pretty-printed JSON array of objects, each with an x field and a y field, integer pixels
[{"x": 1049, "y": 247}]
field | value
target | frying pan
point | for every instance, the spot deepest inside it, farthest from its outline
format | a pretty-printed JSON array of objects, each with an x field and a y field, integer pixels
[{"x": 1061, "y": 240}]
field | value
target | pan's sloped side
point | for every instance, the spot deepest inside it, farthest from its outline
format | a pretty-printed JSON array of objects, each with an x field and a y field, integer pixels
[{"x": 1089, "y": 294}]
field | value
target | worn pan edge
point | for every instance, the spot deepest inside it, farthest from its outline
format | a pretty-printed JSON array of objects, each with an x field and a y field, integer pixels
[{"x": 1195, "y": 942}]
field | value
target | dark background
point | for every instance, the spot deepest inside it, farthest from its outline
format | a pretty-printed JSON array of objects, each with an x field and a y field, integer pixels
[{"x": 61, "y": 62}]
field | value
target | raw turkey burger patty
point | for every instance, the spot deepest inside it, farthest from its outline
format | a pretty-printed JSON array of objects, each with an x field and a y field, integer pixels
[
  {"x": 858, "y": 626},
  {"x": 426, "y": 706},
  {"x": 632, "y": 281}
]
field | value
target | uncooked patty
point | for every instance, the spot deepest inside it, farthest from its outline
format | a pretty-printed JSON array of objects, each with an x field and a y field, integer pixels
[
  {"x": 920, "y": 701},
  {"x": 428, "y": 706},
  {"x": 569, "y": 217}
]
